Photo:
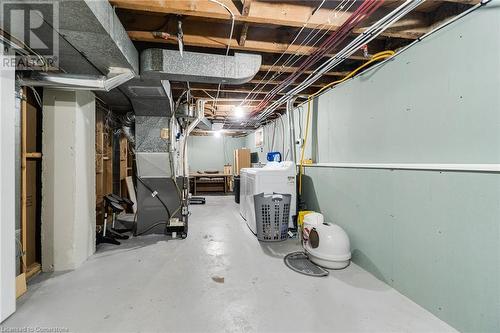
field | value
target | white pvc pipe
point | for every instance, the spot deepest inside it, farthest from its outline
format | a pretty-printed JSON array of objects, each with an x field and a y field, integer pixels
[
  {"x": 78, "y": 82},
  {"x": 291, "y": 125},
  {"x": 495, "y": 168}
]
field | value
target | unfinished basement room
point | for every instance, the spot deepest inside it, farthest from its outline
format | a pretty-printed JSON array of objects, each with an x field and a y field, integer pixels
[{"x": 250, "y": 166}]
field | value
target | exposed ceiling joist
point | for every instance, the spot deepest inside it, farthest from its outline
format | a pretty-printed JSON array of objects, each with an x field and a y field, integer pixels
[
  {"x": 267, "y": 27},
  {"x": 222, "y": 42},
  {"x": 464, "y": 2},
  {"x": 287, "y": 14},
  {"x": 275, "y": 82},
  {"x": 239, "y": 91},
  {"x": 293, "y": 69}
]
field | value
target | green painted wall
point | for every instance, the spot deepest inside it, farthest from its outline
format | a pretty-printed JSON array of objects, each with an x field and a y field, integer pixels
[
  {"x": 211, "y": 153},
  {"x": 433, "y": 236},
  {"x": 279, "y": 128}
]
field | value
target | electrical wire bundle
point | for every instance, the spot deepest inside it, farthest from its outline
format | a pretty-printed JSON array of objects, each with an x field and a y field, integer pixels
[
  {"x": 367, "y": 8},
  {"x": 368, "y": 35},
  {"x": 311, "y": 40}
]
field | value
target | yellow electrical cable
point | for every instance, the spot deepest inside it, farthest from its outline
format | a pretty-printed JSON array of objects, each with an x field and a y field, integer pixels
[{"x": 376, "y": 57}]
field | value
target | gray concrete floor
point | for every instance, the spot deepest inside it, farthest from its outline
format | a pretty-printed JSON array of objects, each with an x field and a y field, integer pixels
[{"x": 149, "y": 284}]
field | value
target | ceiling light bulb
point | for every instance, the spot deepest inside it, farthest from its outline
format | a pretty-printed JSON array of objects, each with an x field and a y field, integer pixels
[
  {"x": 238, "y": 112},
  {"x": 217, "y": 134}
]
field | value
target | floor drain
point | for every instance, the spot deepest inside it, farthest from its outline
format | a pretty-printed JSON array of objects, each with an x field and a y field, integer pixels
[{"x": 300, "y": 263}]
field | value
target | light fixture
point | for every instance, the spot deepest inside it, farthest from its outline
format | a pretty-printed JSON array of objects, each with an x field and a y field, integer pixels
[
  {"x": 217, "y": 134},
  {"x": 217, "y": 126},
  {"x": 238, "y": 112}
]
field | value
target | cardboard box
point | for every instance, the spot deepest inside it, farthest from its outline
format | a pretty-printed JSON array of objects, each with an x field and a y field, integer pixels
[{"x": 241, "y": 160}]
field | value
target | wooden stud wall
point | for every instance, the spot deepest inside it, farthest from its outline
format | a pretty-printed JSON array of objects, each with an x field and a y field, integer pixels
[
  {"x": 104, "y": 162},
  {"x": 30, "y": 180},
  {"x": 104, "y": 166}
]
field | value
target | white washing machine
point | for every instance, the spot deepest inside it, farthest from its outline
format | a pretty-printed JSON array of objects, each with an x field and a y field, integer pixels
[{"x": 274, "y": 177}]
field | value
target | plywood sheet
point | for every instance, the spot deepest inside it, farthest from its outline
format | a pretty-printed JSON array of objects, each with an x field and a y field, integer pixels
[{"x": 32, "y": 230}]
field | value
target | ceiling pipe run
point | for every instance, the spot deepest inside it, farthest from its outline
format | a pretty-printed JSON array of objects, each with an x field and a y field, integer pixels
[
  {"x": 291, "y": 127},
  {"x": 77, "y": 82},
  {"x": 368, "y": 35}
]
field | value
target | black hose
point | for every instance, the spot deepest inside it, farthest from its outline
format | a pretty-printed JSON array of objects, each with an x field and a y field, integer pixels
[
  {"x": 156, "y": 196},
  {"x": 151, "y": 227}
]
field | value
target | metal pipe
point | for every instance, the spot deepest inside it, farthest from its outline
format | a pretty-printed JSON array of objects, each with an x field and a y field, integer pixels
[
  {"x": 77, "y": 82},
  {"x": 291, "y": 125},
  {"x": 200, "y": 113},
  {"x": 230, "y": 39},
  {"x": 128, "y": 127},
  {"x": 418, "y": 40}
]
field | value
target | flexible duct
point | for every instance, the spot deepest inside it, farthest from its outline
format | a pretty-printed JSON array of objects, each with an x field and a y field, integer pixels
[
  {"x": 128, "y": 123},
  {"x": 115, "y": 78}
]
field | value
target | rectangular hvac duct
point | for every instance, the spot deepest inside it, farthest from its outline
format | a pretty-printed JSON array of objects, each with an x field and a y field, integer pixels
[{"x": 199, "y": 67}]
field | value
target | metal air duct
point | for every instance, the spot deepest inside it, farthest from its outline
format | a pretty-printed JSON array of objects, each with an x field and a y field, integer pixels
[
  {"x": 75, "y": 81},
  {"x": 199, "y": 67}
]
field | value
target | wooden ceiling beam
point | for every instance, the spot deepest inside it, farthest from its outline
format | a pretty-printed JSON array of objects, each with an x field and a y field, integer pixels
[
  {"x": 214, "y": 90},
  {"x": 236, "y": 93},
  {"x": 279, "y": 82},
  {"x": 221, "y": 43},
  {"x": 287, "y": 14},
  {"x": 293, "y": 69}
]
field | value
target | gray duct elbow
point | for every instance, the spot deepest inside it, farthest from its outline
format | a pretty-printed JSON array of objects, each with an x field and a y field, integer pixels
[{"x": 77, "y": 82}]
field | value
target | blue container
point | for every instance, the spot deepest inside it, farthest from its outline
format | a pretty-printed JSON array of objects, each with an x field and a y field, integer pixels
[{"x": 274, "y": 156}]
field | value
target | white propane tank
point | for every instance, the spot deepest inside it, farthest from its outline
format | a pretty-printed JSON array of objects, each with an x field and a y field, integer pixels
[{"x": 329, "y": 247}]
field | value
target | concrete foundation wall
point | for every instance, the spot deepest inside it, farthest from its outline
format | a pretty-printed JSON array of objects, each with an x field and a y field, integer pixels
[
  {"x": 68, "y": 179},
  {"x": 7, "y": 191}
]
